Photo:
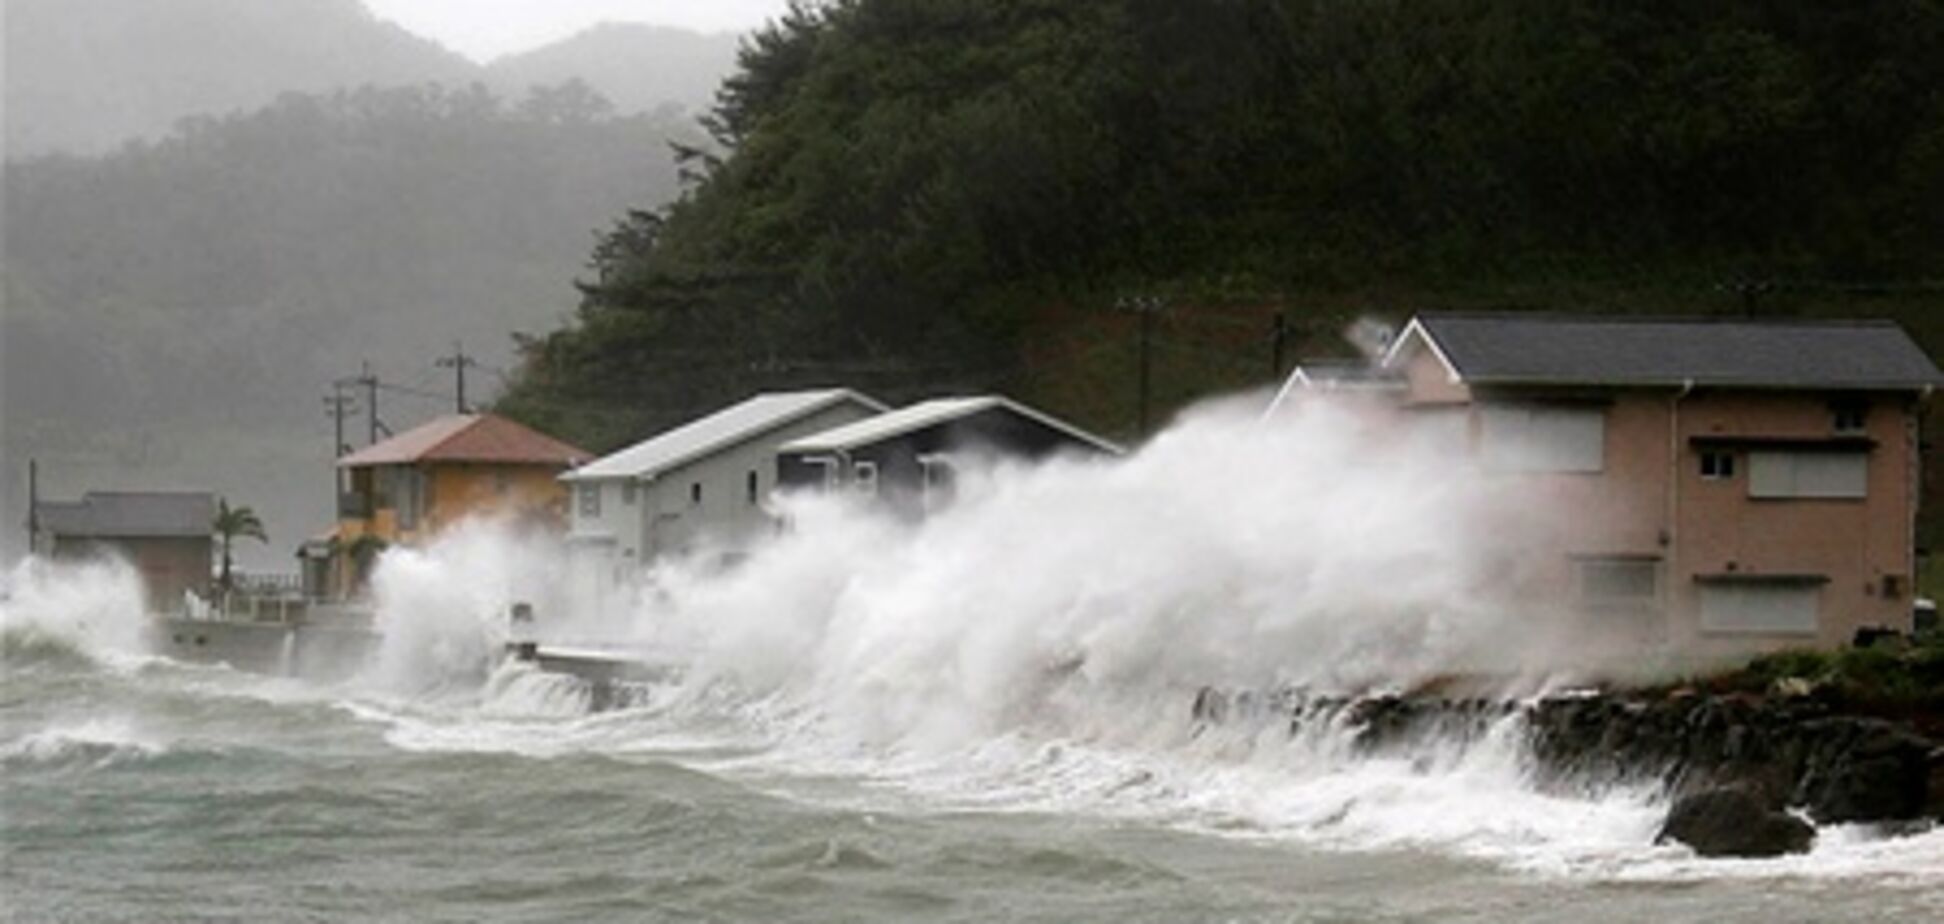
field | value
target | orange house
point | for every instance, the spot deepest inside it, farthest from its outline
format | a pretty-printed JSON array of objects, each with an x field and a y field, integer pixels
[
  {"x": 406, "y": 489},
  {"x": 1704, "y": 489}
]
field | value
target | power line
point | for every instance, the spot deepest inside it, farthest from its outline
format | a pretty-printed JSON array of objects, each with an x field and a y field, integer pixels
[{"x": 415, "y": 392}]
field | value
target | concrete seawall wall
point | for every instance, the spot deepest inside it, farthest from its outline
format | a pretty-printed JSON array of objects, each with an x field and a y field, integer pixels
[{"x": 310, "y": 651}]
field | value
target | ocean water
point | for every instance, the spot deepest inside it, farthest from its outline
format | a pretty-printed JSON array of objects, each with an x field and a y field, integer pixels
[
  {"x": 982, "y": 717},
  {"x": 141, "y": 790}
]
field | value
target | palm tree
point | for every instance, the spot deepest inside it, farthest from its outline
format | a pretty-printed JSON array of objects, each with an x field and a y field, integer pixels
[{"x": 230, "y": 523}]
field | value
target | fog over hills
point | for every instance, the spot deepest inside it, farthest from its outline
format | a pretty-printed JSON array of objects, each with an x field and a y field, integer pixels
[
  {"x": 637, "y": 67},
  {"x": 332, "y": 191},
  {"x": 83, "y": 76}
]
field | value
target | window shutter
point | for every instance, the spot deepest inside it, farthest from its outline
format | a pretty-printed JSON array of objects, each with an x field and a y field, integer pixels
[
  {"x": 1841, "y": 475},
  {"x": 1754, "y": 606}
]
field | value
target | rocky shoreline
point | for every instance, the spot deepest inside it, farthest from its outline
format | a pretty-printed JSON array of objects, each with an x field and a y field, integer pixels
[{"x": 1739, "y": 768}]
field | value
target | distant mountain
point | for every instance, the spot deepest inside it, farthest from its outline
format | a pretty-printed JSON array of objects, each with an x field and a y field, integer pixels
[
  {"x": 637, "y": 67},
  {"x": 85, "y": 75},
  {"x": 175, "y": 310}
]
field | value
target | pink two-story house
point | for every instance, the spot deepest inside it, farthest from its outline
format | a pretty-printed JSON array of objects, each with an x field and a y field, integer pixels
[{"x": 1707, "y": 487}]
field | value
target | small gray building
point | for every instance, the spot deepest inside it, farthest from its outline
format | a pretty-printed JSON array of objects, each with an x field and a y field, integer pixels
[
  {"x": 164, "y": 535},
  {"x": 701, "y": 484},
  {"x": 908, "y": 458}
]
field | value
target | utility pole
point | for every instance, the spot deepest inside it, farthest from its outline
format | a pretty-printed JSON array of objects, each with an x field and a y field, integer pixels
[
  {"x": 33, "y": 506},
  {"x": 1147, "y": 306},
  {"x": 338, "y": 405},
  {"x": 1751, "y": 292},
  {"x": 458, "y": 362},
  {"x": 1279, "y": 340},
  {"x": 370, "y": 382}
]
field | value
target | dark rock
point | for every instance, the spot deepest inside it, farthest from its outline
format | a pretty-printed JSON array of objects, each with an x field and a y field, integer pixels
[
  {"x": 1802, "y": 752},
  {"x": 1877, "y": 772},
  {"x": 1734, "y": 822}
]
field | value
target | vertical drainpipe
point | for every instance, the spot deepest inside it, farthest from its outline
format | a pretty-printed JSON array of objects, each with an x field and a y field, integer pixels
[
  {"x": 1914, "y": 471},
  {"x": 1673, "y": 498}
]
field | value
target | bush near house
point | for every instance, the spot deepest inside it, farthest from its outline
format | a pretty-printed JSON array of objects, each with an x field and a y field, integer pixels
[{"x": 1892, "y": 678}]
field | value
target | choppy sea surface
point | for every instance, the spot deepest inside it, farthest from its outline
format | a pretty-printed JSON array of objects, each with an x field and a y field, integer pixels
[
  {"x": 137, "y": 789},
  {"x": 982, "y": 716}
]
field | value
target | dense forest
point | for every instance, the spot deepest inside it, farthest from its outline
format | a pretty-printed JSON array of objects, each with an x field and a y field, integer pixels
[{"x": 921, "y": 195}]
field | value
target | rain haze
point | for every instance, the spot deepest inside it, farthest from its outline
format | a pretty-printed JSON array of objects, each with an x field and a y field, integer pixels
[
  {"x": 216, "y": 379},
  {"x": 486, "y": 29},
  {"x": 968, "y": 460}
]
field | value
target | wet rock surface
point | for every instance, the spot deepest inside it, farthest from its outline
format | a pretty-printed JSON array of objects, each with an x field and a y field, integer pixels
[
  {"x": 1776, "y": 753},
  {"x": 1791, "y": 752},
  {"x": 1734, "y": 821}
]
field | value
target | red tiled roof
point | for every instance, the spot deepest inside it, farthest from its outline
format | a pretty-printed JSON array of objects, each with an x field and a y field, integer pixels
[{"x": 468, "y": 438}]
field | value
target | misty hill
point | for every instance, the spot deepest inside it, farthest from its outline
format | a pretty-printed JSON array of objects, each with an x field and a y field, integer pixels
[
  {"x": 637, "y": 67},
  {"x": 177, "y": 310},
  {"x": 924, "y": 196},
  {"x": 85, "y": 75},
  {"x": 82, "y": 76}
]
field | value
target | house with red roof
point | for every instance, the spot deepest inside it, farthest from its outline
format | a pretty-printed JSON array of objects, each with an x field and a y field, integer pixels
[{"x": 406, "y": 489}]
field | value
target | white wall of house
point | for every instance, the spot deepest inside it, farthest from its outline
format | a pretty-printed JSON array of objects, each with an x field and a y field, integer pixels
[
  {"x": 717, "y": 502},
  {"x": 712, "y": 502}
]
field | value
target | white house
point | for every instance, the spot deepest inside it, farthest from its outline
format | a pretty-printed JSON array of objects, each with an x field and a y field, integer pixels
[{"x": 699, "y": 485}]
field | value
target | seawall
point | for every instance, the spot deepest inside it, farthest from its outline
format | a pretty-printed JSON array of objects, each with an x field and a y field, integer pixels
[{"x": 313, "y": 651}]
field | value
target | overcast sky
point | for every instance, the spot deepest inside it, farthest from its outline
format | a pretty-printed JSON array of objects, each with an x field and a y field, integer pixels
[{"x": 484, "y": 29}]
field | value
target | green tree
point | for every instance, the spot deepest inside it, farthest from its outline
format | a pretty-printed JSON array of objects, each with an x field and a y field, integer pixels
[
  {"x": 922, "y": 196},
  {"x": 230, "y": 524}
]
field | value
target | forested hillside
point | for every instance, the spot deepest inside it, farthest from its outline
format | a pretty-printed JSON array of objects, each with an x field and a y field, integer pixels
[
  {"x": 176, "y": 311},
  {"x": 928, "y": 194}
]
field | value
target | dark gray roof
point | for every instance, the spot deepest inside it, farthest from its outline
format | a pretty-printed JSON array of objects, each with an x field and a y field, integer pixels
[
  {"x": 130, "y": 514},
  {"x": 1537, "y": 348}
]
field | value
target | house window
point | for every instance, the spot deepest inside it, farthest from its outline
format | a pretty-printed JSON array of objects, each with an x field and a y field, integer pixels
[
  {"x": 1849, "y": 418},
  {"x": 628, "y": 491},
  {"x": 695, "y": 494},
  {"x": 384, "y": 486},
  {"x": 1628, "y": 581},
  {"x": 938, "y": 480},
  {"x": 1830, "y": 475},
  {"x": 1717, "y": 465},
  {"x": 502, "y": 482},
  {"x": 590, "y": 499},
  {"x": 409, "y": 485},
  {"x": 751, "y": 486},
  {"x": 864, "y": 478},
  {"x": 1756, "y": 605},
  {"x": 1542, "y": 438},
  {"x": 830, "y": 470}
]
